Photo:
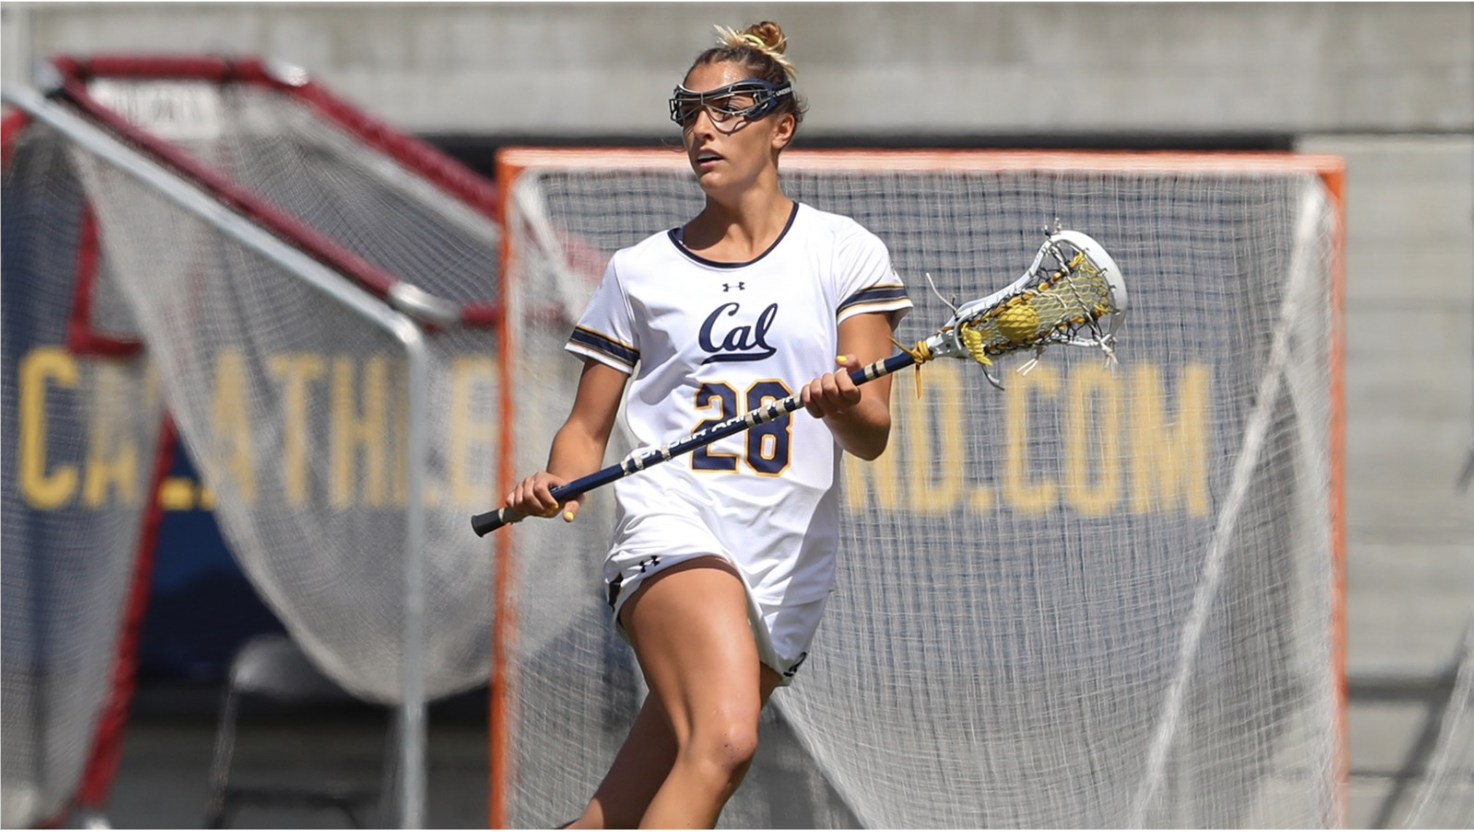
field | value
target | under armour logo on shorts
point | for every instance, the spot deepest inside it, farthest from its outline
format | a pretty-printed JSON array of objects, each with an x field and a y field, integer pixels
[
  {"x": 793, "y": 668},
  {"x": 614, "y": 586}
]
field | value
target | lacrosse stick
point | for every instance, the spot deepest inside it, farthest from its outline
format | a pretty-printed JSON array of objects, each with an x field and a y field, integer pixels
[{"x": 1071, "y": 294}]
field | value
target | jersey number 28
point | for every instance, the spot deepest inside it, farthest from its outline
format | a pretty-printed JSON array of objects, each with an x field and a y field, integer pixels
[{"x": 767, "y": 444}]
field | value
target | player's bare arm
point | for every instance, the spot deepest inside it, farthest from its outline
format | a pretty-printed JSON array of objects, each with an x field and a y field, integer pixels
[
  {"x": 859, "y": 416},
  {"x": 578, "y": 446}
]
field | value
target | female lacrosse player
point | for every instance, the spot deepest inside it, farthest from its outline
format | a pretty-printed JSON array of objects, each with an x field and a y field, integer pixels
[{"x": 722, "y": 561}]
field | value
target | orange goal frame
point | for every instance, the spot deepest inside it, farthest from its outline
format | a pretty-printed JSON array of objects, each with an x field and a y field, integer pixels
[{"x": 511, "y": 162}]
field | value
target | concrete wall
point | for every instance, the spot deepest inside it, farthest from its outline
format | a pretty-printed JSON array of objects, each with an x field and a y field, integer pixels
[
  {"x": 1410, "y": 422},
  {"x": 1389, "y": 86},
  {"x": 1410, "y": 386},
  {"x": 952, "y": 68}
]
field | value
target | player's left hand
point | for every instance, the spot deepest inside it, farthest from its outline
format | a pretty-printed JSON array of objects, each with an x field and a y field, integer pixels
[{"x": 832, "y": 394}]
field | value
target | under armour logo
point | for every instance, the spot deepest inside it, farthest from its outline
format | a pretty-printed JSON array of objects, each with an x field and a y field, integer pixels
[
  {"x": 727, "y": 287},
  {"x": 793, "y": 668},
  {"x": 649, "y": 564}
]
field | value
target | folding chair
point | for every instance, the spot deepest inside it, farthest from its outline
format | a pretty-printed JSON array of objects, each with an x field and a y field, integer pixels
[{"x": 273, "y": 669}]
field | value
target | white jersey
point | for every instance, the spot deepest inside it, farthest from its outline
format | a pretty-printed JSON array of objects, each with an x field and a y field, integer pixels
[{"x": 705, "y": 341}]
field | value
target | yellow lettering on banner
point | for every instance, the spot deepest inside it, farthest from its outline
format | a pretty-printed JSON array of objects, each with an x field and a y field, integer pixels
[
  {"x": 1026, "y": 495},
  {"x": 177, "y": 494},
  {"x": 399, "y": 442},
  {"x": 112, "y": 452},
  {"x": 355, "y": 430},
  {"x": 231, "y": 415},
  {"x": 472, "y": 428},
  {"x": 936, "y": 483},
  {"x": 41, "y": 488},
  {"x": 1170, "y": 455},
  {"x": 296, "y": 372},
  {"x": 878, "y": 476},
  {"x": 983, "y": 499},
  {"x": 1092, "y": 422}
]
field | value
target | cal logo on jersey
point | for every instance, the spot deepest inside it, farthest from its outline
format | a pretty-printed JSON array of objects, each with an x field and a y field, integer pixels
[{"x": 730, "y": 340}]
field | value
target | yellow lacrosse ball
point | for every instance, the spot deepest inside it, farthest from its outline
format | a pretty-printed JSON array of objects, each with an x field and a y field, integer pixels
[{"x": 1018, "y": 323}]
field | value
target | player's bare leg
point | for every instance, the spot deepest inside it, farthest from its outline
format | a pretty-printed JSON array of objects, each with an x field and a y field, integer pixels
[
  {"x": 637, "y": 772},
  {"x": 642, "y": 764},
  {"x": 696, "y": 734}
]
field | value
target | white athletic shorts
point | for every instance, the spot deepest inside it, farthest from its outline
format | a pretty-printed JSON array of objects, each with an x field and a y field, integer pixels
[{"x": 783, "y": 632}]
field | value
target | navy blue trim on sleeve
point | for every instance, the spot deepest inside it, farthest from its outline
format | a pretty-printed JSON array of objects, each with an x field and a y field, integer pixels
[
  {"x": 875, "y": 294},
  {"x": 604, "y": 345}
]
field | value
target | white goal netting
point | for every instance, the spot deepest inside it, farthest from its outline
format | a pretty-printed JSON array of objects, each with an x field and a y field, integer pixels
[
  {"x": 1446, "y": 798},
  {"x": 81, "y": 433},
  {"x": 292, "y": 405},
  {"x": 1094, "y": 599},
  {"x": 250, "y": 233}
]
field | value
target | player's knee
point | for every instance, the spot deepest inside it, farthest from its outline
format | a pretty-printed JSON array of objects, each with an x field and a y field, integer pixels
[
  {"x": 613, "y": 816},
  {"x": 725, "y": 747}
]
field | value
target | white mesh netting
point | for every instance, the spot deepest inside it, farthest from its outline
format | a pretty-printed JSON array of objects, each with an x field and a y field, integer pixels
[
  {"x": 1446, "y": 798},
  {"x": 81, "y": 433},
  {"x": 1095, "y": 599},
  {"x": 293, "y": 407}
]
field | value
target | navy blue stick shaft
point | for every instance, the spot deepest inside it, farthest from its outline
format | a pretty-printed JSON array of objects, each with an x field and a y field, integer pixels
[{"x": 484, "y": 524}]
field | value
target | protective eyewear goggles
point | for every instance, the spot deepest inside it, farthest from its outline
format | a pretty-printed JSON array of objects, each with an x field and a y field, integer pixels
[{"x": 749, "y": 99}]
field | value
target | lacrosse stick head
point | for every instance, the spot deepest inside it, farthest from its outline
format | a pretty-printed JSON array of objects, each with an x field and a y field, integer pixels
[{"x": 1072, "y": 294}]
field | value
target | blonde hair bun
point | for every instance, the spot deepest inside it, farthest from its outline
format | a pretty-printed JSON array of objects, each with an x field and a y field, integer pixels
[{"x": 766, "y": 37}]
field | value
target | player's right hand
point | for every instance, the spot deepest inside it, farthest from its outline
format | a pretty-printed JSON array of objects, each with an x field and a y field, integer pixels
[{"x": 533, "y": 497}]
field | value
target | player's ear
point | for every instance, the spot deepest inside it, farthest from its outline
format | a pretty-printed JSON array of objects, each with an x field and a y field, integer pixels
[{"x": 783, "y": 129}]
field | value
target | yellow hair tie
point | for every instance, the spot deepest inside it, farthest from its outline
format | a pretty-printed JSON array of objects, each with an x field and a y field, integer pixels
[{"x": 754, "y": 40}]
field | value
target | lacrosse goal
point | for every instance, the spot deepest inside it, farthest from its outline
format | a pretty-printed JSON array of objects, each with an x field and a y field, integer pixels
[
  {"x": 313, "y": 293},
  {"x": 1097, "y": 598}
]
